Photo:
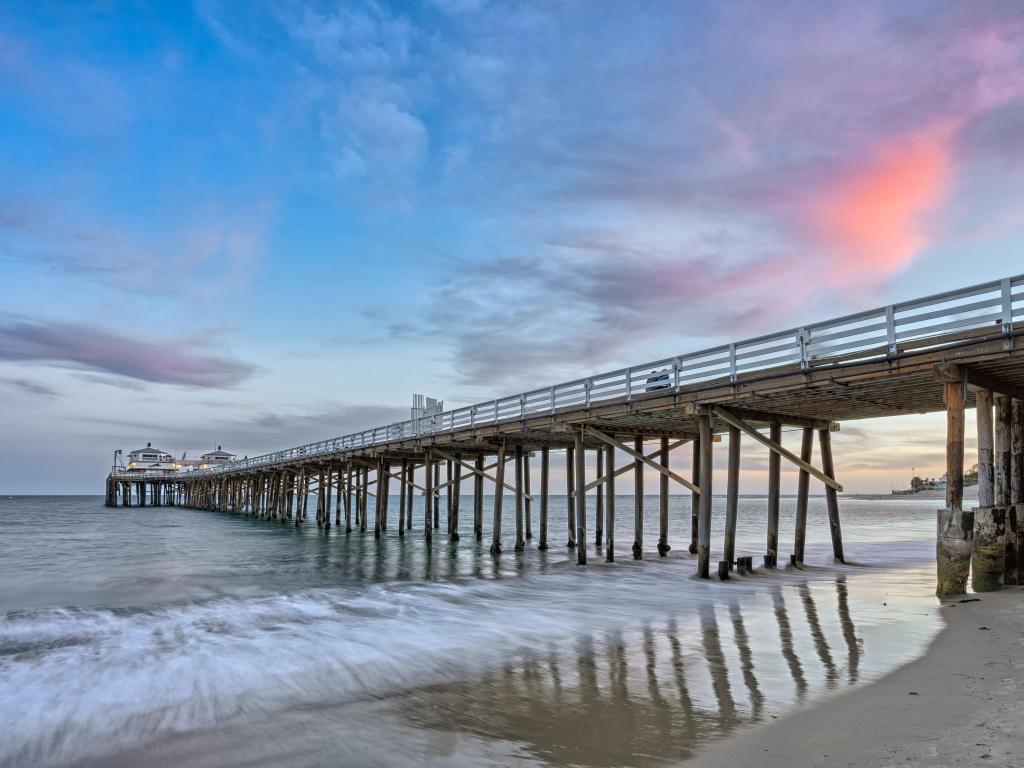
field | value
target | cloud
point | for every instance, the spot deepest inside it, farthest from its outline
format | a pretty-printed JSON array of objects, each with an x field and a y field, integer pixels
[
  {"x": 212, "y": 248},
  {"x": 30, "y": 387},
  {"x": 257, "y": 433},
  {"x": 871, "y": 219},
  {"x": 81, "y": 345}
]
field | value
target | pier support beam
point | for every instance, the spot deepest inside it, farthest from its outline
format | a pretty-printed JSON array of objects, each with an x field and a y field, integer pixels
[
  {"x": 499, "y": 495},
  {"x": 955, "y": 526},
  {"x": 638, "y": 498},
  {"x": 732, "y": 497},
  {"x": 599, "y": 499},
  {"x": 581, "y": 500},
  {"x": 545, "y": 471},
  {"x": 520, "y": 531},
  {"x": 695, "y": 497},
  {"x": 704, "y": 519},
  {"x": 455, "y": 491},
  {"x": 663, "y": 547},
  {"x": 527, "y": 497},
  {"x": 609, "y": 490},
  {"x": 428, "y": 497},
  {"x": 831, "y": 497},
  {"x": 802, "y": 491},
  {"x": 988, "y": 554},
  {"x": 1015, "y": 513},
  {"x": 570, "y": 490},
  {"x": 774, "y": 488},
  {"x": 403, "y": 495},
  {"x": 478, "y": 498}
]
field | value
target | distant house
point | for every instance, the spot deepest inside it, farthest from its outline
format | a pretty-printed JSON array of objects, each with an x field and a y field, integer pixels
[
  {"x": 150, "y": 459},
  {"x": 213, "y": 458}
]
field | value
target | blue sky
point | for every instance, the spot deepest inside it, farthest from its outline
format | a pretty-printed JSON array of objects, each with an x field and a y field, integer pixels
[{"x": 262, "y": 224}]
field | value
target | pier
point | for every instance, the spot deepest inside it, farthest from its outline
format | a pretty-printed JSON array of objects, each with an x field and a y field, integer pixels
[{"x": 945, "y": 352}]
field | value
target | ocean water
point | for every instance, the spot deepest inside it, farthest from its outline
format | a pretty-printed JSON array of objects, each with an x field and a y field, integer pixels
[{"x": 172, "y": 636}]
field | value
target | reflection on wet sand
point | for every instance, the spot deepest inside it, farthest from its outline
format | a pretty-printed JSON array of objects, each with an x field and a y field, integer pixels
[
  {"x": 646, "y": 697},
  {"x": 786, "y": 638},
  {"x": 849, "y": 632}
]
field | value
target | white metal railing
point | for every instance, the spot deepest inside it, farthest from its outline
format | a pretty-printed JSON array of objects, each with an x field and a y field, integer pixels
[{"x": 931, "y": 322}]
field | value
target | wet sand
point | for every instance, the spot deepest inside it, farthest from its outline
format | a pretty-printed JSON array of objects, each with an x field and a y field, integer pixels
[{"x": 960, "y": 704}]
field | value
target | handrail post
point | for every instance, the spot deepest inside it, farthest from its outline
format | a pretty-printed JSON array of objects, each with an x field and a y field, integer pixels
[
  {"x": 629, "y": 385},
  {"x": 552, "y": 398},
  {"x": 587, "y": 386},
  {"x": 890, "y": 328},
  {"x": 677, "y": 366},
  {"x": 1007, "y": 305},
  {"x": 802, "y": 338},
  {"x": 732, "y": 363}
]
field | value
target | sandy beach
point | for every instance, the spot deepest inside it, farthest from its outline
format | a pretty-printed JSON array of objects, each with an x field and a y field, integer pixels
[{"x": 960, "y": 704}]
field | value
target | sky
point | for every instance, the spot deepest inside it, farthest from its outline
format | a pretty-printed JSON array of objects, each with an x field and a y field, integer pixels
[{"x": 261, "y": 224}]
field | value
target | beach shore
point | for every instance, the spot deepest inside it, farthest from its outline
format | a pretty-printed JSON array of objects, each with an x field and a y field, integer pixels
[{"x": 960, "y": 704}]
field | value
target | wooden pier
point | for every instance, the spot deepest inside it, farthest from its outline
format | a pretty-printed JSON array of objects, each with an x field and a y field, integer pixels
[{"x": 946, "y": 352}]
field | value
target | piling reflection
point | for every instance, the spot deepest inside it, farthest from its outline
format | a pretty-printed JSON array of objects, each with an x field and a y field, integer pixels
[
  {"x": 654, "y": 694},
  {"x": 786, "y": 640}
]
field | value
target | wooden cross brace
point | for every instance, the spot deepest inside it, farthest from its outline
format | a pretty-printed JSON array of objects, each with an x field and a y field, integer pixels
[
  {"x": 640, "y": 457},
  {"x": 743, "y": 426},
  {"x": 476, "y": 471},
  {"x": 629, "y": 467}
]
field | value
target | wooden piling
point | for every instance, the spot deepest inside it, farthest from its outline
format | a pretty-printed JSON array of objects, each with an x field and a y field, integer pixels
[
  {"x": 520, "y": 529},
  {"x": 499, "y": 493},
  {"x": 704, "y": 521},
  {"x": 599, "y": 500},
  {"x": 831, "y": 499},
  {"x": 988, "y": 552},
  {"x": 428, "y": 497},
  {"x": 802, "y": 491},
  {"x": 986, "y": 471},
  {"x": 609, "y": 489},
  {"x": 1002, "y": 451},
  {"x": 455, "y": 490},
  {"x": 545, "y": 460},
  {"x": 581, "y": 499},
  {"x": 448, "y": 496},
  {"x": 528, "y": 500},
  {"x": 478, "y": 499},
  {"x": 384, "y": 489},
  {"x": 638, "y": 500},
  {"x": 732, "y": 492},
  {"x": 378, "y": 509},
  {"x": 437, "y": 499},
  {"x": 1015, "y": 512},
  {"x": 663, "y": 547},
  {"x": 695, "y": 496},
  {"x": 570, "y": 489},
  {"x": 774, "y": 491},
  {"x": 402, "y": 497},
  {"x": 410, "y": 501}
]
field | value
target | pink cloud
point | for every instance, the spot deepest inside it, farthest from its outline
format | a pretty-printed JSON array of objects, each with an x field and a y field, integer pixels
[
  {"x": 85, "y": 346},
  {"x": 872, "y": 219}
]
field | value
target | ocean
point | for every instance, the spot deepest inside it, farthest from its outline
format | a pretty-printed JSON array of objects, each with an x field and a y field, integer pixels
[{"x": 169, "y": 636}]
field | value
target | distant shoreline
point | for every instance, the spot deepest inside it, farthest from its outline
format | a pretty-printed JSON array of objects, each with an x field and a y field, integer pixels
[{"x": 971, "y": 492}]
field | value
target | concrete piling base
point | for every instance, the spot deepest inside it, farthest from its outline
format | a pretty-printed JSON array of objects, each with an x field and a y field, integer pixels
[
  {"x": 988, "y": 555},
  {"x": 953, "y": 551}
]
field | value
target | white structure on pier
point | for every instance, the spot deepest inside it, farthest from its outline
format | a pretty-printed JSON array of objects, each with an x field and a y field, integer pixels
[
  {"x": 215, "y": 458},
  {"x": 150, "y": 459}
]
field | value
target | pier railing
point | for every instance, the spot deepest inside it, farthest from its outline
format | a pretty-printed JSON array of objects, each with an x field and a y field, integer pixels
[{"x": 927, "y": 323}]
